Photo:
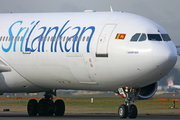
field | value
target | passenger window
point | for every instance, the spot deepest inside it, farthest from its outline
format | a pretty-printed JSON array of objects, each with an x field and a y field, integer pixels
[
  {"x": 67, "y": 39},
  {"x": 166, "y": 37},
  {"x": 48, "y": 38},
  {"x": 83, "y": 38},
  {"x": 12, "y": 38},
  {"x": 52, "y": 38},
  {"x": 64, "y": 38},
  {"x": 80, "y": 38},
  {"x": 135, "y": 37},
  {"x": 143, "y": 37},
  {"x": 73, "y": 38},
  {"x": 18, "y": 39},
  {"x": 154, "y": 37},
  {"x": 60, "y": 38},
  {"x": 3, "y": 38},
  {"x": 87, "y": 39},
  {"x": 57, "y": 38},
  {"x": 21, "y": 38},
  {"x": 43, "y": 38},
  {"x": 7, "y": 38}
]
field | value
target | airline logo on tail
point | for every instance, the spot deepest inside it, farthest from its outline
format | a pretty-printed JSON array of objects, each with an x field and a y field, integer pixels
[{"x": 26, "y": 32}]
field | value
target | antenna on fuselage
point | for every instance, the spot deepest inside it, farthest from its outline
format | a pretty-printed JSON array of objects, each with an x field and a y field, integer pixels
[{"x": 111, "y": 9}]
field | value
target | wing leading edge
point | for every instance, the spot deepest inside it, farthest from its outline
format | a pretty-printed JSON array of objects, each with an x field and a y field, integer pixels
[{"x": 4, "y": 67}]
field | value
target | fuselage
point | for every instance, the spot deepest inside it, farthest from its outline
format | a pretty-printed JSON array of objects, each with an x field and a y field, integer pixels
[{"x": 86, "y": 51}]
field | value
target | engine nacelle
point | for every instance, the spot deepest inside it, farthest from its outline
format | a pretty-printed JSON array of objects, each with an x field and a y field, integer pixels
[{"x": 147, "y": 91}]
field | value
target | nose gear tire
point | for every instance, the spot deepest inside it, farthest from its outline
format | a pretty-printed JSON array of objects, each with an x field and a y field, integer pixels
[{"x": 123, "y": 111}]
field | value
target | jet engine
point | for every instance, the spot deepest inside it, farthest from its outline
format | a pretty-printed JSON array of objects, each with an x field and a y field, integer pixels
[{"x": 147, "y": 91}]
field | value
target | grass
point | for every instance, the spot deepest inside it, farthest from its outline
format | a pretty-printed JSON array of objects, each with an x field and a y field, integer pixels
[{"x": 77, "y": 105}]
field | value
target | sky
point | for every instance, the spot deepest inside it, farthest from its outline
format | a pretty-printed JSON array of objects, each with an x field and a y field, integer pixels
[{"x": 164, "y": 12}]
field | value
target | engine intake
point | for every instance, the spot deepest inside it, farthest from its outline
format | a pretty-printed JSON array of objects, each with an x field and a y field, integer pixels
[{"x": 147, "y": 91}]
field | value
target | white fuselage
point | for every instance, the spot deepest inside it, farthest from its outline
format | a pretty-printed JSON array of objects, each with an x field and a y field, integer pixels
[{"x": 41, "y": 61}]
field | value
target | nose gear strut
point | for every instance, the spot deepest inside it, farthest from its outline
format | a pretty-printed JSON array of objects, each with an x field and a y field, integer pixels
[{"x": 128, "y": 109}]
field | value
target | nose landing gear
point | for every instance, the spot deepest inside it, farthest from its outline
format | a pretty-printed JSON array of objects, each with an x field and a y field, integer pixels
[
  {"x": 127, "y": 109},
  {"x": 46, "y": 106}
]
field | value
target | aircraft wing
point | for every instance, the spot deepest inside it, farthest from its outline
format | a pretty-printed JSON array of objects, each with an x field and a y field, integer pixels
[{"x": 4, "y": 67}]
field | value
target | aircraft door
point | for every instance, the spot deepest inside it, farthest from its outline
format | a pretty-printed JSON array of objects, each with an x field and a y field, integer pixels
[{"x": 103, "y": 40}]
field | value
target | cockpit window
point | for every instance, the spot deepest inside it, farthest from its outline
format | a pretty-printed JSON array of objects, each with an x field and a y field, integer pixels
[
  {"x": 166, "y": 37},
  {"x": 154, "y": 37},
  {"x": 135, "y": 37},
  {"x": 143, "y": 37}
]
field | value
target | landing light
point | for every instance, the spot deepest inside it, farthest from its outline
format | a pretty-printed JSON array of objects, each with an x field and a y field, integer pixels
[{"x": 126, "y": 90}]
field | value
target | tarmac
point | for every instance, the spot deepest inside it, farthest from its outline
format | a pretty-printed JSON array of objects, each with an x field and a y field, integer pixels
[{"x": 24, "y": 116}]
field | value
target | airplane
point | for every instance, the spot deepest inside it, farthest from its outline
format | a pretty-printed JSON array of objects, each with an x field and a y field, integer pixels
[
  {"x": 171, "y": 86},
  {"x": 98, "y": 51}
]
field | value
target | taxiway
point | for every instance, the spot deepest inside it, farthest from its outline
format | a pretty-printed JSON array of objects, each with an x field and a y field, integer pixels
[{"x": 24, "y": 116}]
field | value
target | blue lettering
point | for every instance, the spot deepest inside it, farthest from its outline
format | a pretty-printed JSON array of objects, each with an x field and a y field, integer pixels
[
  {"x": 59, "y": 36},
  {"x": 54, "y": 39},
  {"x": 23, "y": 39},
  {"x": 11, "y": 35},
  {"x": 26, "y": 48},
  {"x": 21, "y": 29},
  {"x": 67, "y": 50},
  {"x": 90, "y": 37},
  {"x": 75, "y": 37},
  {"x": 40, "y": 37},
  {"x": 49, "y": 30},
  {"x": 83, "y": 31}
]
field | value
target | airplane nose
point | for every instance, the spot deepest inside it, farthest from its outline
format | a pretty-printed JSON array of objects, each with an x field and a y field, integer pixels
[{"x": 165, "y": 56}]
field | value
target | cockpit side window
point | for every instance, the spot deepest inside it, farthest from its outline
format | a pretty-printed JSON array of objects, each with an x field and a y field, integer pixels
[
  {"x": 166, "y": 37},
  {"x": 143, "y": 37},
  {"x": 135, "y": 37},
  {"x": 154, "y": 37}
]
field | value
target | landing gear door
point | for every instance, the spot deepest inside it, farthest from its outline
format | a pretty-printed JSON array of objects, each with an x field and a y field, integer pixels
[
  {"x": 121, "y": 92},
  {"x": 103, "y": 40}
]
